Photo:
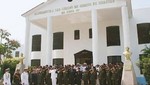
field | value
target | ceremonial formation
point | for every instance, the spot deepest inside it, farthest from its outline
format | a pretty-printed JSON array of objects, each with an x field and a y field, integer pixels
[{"x": 106, "y": 74}]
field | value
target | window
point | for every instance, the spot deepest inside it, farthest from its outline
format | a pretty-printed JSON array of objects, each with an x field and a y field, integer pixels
[
  {"x": 77, "y": 34},
  {"x": 113, "y": 36},
  {"x": 17, "y": 54},
  {"x": 58, "y": 40},
  {"x": 90, "y": 33},
  {"x": 58, "y": 61},
  {"x": 143, "y": 31},
  {"x": 114, "y": 59},
  {"x": 35, "y": 62},
  {"x": 36, "y": 43}
]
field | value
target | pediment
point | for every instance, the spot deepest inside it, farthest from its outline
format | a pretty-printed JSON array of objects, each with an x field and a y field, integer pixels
[{"x": 61, "y": 7}]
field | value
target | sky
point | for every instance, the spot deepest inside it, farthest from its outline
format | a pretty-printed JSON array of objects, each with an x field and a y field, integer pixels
[{"x": 12, "y": 21}]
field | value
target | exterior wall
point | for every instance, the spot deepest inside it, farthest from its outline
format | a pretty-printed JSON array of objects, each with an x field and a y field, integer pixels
[
  {"x": 35, "y": 30},
  {"x": 72, "y": 46},
  {"x": 139, "y": 16}
]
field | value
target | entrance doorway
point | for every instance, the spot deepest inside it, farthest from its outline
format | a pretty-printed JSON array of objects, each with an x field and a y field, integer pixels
[{"x": 84, "y": 56}]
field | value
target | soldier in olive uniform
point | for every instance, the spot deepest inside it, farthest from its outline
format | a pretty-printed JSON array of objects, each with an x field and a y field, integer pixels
[
  {"x": 48, "y": 78},
  {"x": 85, "y": 76},
  {"x": 102, "y": 76},
  {"x": 78, "y": 76},
  {"x": 65, "y": 76},
  {"x": 93, "y": 77},
  {"x": 113, "y": 77},
  {"x": 108, "y": 76},
  {"x": 17, "y": 78},
  {"x": 60, "y": 76}
]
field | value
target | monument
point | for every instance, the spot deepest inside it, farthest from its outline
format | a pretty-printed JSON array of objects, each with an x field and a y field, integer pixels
[
  {"x": 20, "y": 65},
  {"x": 128, "y": 75}
]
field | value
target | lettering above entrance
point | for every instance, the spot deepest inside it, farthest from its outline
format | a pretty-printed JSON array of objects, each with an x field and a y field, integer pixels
[{"x": 73, "y": 7}]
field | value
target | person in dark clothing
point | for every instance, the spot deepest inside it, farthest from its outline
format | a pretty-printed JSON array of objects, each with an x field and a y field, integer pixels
[
  {"x": 48, "y": 78},
  {"x": 78, "y": 77},
  {"x": 34, "y": 77},
  {"x": 65, "y": 76},
  {"x": 85, "y": 76},
  {"x": 93, "y": 76},
  {"x": 17, "y": 77},
  {"x": 72, "y": 75},
  {"x": 60, "y": 76}
]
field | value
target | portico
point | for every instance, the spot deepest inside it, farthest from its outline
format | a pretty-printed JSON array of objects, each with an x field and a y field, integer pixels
[{"x": 57, "y": 16}]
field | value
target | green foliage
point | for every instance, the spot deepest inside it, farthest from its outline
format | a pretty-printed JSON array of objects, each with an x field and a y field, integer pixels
[
  {"x": 6, "y": 44},
  {"x": 145, "y": 63},
  {"x": 2, "y": 49},
  {"x": 9, "y": 63}
]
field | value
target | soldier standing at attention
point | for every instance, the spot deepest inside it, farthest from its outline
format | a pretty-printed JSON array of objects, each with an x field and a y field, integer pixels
[
  {"x": 7, "y": 77},
  {"x": 78, "y": 76},
  {"x": 17, "y": 78},
  {"x": 60, "y": 76},
  {"x": 65, "y": 76},
  {"x": 85, "y": 76},
  {"x": 93, "y": 77},
  {"x": 25, "y": 77}
]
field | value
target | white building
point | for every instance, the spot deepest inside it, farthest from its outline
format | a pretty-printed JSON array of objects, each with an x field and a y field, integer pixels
[{"x": 91, "y": 31}]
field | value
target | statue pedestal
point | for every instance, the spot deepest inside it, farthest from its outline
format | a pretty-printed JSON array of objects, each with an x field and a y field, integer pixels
[
  {"x": 20, "y": 67},
  {"x": 128, "y": 76}
]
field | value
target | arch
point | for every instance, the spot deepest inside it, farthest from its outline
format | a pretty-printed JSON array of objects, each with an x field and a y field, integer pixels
[{"x": 83, "y": 56}]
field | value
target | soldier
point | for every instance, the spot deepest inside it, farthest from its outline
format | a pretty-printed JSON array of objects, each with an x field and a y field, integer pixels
[
  {"x": 78, "y": 76},
  {"x": 71, "y": 75},
  {"x": 93, "y": 77},
  {"x": 65, "y": 76},
  {"x": 85, "y": 76},
  {"x": 34, "y": 77},
  {"x": 48, "y": 78},
  {"x": 113, "y": 77},
  {"x": 17, "y": 78},
  {"x": 102, "y": 75},
  {"x": 53, "y": 75},
  {"x": 60, "y": 76},
  {"x": 25, "y": 77},
  {"x": 39, "y": 77},
  {"x": 108, "y": 76},
  {"x": 7, "y": 77}
]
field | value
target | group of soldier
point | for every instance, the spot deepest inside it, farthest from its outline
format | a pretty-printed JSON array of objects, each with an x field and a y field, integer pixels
[{"x": 106, "y": 74}]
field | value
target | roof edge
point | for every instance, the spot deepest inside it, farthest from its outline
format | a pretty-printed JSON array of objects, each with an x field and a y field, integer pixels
[{"x": 35, "y": 8}]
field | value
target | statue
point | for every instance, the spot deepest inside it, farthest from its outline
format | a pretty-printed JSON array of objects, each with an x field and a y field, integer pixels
[
  {"x": 20, "y": 65},
  {"x": 127, "y": 54}
]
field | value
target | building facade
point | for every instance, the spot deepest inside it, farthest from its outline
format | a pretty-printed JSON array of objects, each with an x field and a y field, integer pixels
[{"x": 85, "y": 31}]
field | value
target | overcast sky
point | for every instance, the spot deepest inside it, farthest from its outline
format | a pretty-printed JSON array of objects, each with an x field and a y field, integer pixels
[{"x": 12, "y": 21}]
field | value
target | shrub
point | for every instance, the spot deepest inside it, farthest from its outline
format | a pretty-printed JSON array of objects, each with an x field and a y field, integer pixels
[{"x": 9, "y": 63}]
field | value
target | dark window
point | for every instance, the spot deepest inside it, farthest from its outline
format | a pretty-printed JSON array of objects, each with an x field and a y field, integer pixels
[
  {"x": 58, "y": 61},
  {"x": 35, "y": 62},
  {"x": 17, "y": 54},
  {"x": 69, "y": 0},
  {"x": 58, "y": 40},
  {"x": 114, "y": 59},
  {"x": 143, "y": 31},
  {"x": 90, "y": 33},
  {"x": 113, "y": 36},
  {"x": 77, "y": 34},
  {"x": 36, "y": 43}
]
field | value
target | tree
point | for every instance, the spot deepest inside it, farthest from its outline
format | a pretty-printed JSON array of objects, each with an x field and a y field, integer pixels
[
  {"x": 6, "y": 44},
  {"x": 145, "y": 63}
]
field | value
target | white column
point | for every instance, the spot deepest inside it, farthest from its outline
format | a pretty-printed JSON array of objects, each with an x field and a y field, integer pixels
[
  {"x": 27, "y": 56},
  {"x": 49, "y": 41},
  {"x": 95, "y": 37},
  {"x": 126, "y": 29}
]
